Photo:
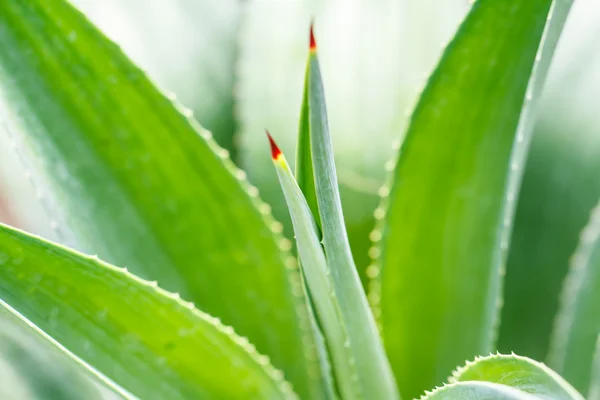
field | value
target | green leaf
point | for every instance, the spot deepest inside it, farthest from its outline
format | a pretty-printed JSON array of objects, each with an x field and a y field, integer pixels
[
  {"x": 520, "y": 373},
  {"x": 318, "y": 279},
  {"x": 304, "y": 163},
  {"x": 577, "y": 323},
  {"x": 30, "y": 369},
  {"x": 477, "y": 391},
  {"x": 140, "y": 337},
  {"x": 594, "y": 392},
  {"x": 559, "y": 189},
  {"x": 202, "y": 76},
  {"x": 445, "y": 233},
  {"x": 374, "y": 374},
  {"x": 365, "y": 99},
  {"x": 142, "y": 185}
]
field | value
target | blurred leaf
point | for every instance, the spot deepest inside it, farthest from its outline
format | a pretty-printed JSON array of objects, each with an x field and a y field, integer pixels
[
  {"x": 29, "y": 368},
  {"x": 144, "y": 339},
  {"x": 519, "y": 372},
  {"x": 560, "y": 187},
  {"x": 577, "y": 323},
  {"x": 200, "y": 73},
  {"x": 448, "y": 212},
  {"x": 477, "y": 391},
  {"x": 144, "y": 186},
  {"x": 374, "y": 374},
  {"x": 594, "y": 392}
]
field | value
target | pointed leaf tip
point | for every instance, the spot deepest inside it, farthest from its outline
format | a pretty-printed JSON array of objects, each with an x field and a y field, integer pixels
[
  {"x": 275, "y": 152},
  {"x": 313, "y": 43}
]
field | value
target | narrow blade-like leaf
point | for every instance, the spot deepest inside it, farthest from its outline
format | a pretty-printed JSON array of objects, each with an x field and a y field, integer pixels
[
  {"x": 577, "y": 325},
  {"x": 374, "y": 374},
  {"x": 477, "y": 391},
  {"x": 444, "y": 236},
  {"x": 304, "y": 164},
  {"x": 318, "y": 278},
  {"x": 144, "y": 185},
  {"x": 520, "y": 373},
  {"x": 144, "y": 339}
]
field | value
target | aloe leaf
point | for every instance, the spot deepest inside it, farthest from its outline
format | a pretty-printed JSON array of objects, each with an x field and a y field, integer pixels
[
  {"x": 559, "y": 189},
  {"x": 142, "y": 185},
  {"x": 318, "y": 278},
  {"x": 304, "y": 163},
  {"x": 443, "y": 238},
  {"x": 374, "y": 375},
  {"x": 203, "y": 75},
  {"x": 594, "y": 392},
  {"x": 29, "y": 368},
  {"x": 519, "y": 372},
  {"x": 477, "y": 391},
  {"x": 142, "y": 338},
  {"x": 577, "y": 324}
]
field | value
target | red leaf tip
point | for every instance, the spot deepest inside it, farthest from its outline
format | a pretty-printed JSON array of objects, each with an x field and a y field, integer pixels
[
  {"x": 275, "y": 152},
  {"x": 313, "y": 42}
]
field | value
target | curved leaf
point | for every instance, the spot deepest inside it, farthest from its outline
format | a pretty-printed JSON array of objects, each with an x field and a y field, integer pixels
[
  {"x": 144, "y": 186},
  {"x": 520, "y": 373},
  {"x": 445, "y": 233},
  {"x": 577, "y": 325},
  {"x": 29, "y": 365},
  {"x": 477, "y": 391},
  {"x": 559, "y": 189},
  {"x": 202, "y": 76},
  {"x": 142, "y": 338}
]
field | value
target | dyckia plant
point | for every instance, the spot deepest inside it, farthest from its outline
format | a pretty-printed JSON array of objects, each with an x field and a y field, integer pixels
[{"x": 212, "y": 303}]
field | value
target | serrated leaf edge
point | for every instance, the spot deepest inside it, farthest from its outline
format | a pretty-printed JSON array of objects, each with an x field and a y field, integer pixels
[{"x": 277, "y": 375}]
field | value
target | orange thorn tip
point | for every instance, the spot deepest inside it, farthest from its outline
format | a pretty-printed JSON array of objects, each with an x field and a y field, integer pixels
[
  {"x": 313, "y": 42},
  {"x": 275, "y": 152}
]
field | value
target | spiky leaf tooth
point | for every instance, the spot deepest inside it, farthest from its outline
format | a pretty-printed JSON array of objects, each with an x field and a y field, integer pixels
[
  {"x": 476, "y": 391},
  {"x": 445, "y": 232},
  {"x": 518, "y": 372},
  {"x": 140, "y": 339},
  {"x": 144, "y": 185},
  {"x": 577, "y": 324}
]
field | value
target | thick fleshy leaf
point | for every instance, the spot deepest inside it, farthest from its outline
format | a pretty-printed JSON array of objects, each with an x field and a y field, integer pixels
[
  {"x": 559, "y": 188},
  {"x": 143, "y": 185},
  {"x": 31, "y": 369},
  {"x": 477, "y": 391},
  {"x": 444, "y": 236},
  {"x": 203, "y": 76},
  {"x": 318, "y": 279},
  {"x": 304, "y": 163},
  {"x": 520, "y": 373},
  {"x": 594, "y": 392},
  {"x": 146, "y": 340},
  {"x": 373, "y": 371},
  {"x": 577, "y": 325}
]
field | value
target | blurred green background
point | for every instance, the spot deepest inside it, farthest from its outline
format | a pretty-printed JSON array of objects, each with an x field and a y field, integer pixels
[{"x": 239, "y": 65}]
